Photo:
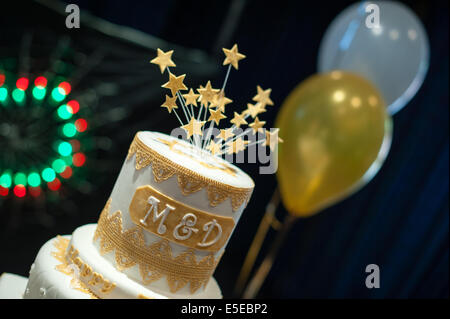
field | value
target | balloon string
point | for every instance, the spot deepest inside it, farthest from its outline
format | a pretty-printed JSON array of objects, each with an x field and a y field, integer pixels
[
  {"x": 257, "y": 242},
  {"x": 260, "y": 276}
]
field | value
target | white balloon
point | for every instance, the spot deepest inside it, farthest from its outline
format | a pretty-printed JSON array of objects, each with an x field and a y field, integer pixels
[{"x": 393, "y": 54}]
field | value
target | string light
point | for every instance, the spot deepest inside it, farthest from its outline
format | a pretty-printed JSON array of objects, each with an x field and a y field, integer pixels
[{"x": 67, "y": 150}]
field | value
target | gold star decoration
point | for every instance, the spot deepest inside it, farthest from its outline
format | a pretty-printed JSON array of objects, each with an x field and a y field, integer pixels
[
  {"x": 163, "y": 60},
  {"x": 232, "y": 56},
  {"x": 263, "y": 96},
  {"x": 170, "y": 103},
  {"x": 272, "y": 139},
  {"x": 191, "y": 98},
  {"x": 226, "y": 134},
  {"x": 257, "y": 125},
  {"x": 254, "y": 109},
  {"x": 207, "y": 93},
  {"x": 219, "y": 101},
  {"x": 214, "y": 148},
  {"x": 236, "y": 146},
  {"x": 238, "y": 119},
  {"x": 216, "y": 116},
  {"x": 193, "y": 127},
  {"x": 175, "y": 83}
]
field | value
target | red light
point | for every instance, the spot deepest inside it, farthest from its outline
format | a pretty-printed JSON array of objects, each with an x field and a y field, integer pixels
[
  {"x": 40, "y": 81},
  {"x": 4, "y": 191},
  {"x": 75, "y": 145},
  {"x": 20, "y": 190},
  {"x": 2, "y": 79},
  {"x": 22, "y": 84},
  {"x": 65, "y": 86},
  {"x": 79, "y": 159},
  {"x": 34, "y": 191},
  {"x": 81, "y": 125},
  {"x": 67, "y": 172},
  {"x": 54, "y": 185},
  {"x": 74, "y": 105}
]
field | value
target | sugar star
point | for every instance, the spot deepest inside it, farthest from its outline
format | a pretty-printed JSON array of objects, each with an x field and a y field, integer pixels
[
  {"x": 232, "y": 56},
  {"x": 214, "y": 147},
  {"x": 216, "y": 116},
  {"x": 193, "y": 127},
  {"x": 163, "y": 60},
  {"x": 257, "y": 125},
  {"x": 236, "y": 146},
  {"x": 175, "y": 83},
  {"x": 238, "y": 119},
  {"x": 220, "y": 101},
  {"x": 254, "y": 109},
  {"x": 272, "y": 139},
  {"x": 263, "y": 96},
  {"x": 191, "y": 98},
  {"x": 170, "y": 103},
  {"x": 226, "y": 134},
  {"x": 207, "y": 93}
]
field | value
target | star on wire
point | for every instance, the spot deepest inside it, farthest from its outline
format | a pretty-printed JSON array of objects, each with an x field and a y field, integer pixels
[
  {"x": 170, "y": 103},
  {"x": 175, "y": 83},
  {"x": 207, "y": 93},
  {"x": 226, "y": 134},
  {"x": 232, "y": 56},
  {"x": 163, "y": 60},
  {"x": 193, "y": 127},
  {"x": 263, "y": 96},
  {"x": 220, "y": 101},
  {"x": 214, "y": 148},
  {"x": 191, "y": 98},
  {"x": 254, "y": 109},
  {"x": 272, "y": 139},
  {"x": 257, "y": 125},
  {"x": 238, "y": 120},
  {"x": 236, "y": 146},
  {"x": 216, "y": 116}
]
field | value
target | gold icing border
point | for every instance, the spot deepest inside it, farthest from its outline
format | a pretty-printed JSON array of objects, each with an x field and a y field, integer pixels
[
  {"x": 61, "y": 245},
  {"x": 154, "y": 261},
  {"x": 188, "y": 181}
]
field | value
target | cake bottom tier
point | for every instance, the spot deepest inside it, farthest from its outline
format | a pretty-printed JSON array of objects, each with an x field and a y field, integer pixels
[{"x": 90, "y": 276}]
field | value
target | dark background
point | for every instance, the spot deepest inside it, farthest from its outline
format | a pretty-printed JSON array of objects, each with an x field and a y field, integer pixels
[{"x": 399, "y": 221}]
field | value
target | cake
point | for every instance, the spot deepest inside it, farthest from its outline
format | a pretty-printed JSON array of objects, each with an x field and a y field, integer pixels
[
  {"x": 161, "y": 233},
  {"x": 172, "y": 210}
]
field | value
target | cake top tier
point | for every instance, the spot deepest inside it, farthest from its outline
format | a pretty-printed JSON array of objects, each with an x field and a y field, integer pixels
[{"x": 200, "y": 163}]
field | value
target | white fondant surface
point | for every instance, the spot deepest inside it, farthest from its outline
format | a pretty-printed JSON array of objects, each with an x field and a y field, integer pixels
[{"x": 12, "y": 286}]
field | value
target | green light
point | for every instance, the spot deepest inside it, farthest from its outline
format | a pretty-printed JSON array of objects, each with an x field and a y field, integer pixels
[
  {"x": 39, "y": 92},
  {"x": 20, "y": 179},
  {"x": 65, "y": 149},
  {"x": 58, "y": 94},
  {"x": 18, "y": 95},
  {"x": 64, "y": 112},
  {"x": 34, "y": 179},
  {"x": 59, "y": 165},
  {"x": 3, "y": 94},
  {"x": 69, "y": 130},
  {"x": 68, "y": 160},
  {"x": 6, "y": 180},
  {"x": 48, "y": 175}
]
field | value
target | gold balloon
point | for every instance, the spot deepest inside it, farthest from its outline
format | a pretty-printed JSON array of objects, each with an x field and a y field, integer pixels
[{"x": 336, "y": 134}]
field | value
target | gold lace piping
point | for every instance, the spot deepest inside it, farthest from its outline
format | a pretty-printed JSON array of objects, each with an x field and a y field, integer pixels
[
  {"x": 188, "y": 181},
  {"x": 64, "y": 267},
  {"x": 154, "y": 261}
]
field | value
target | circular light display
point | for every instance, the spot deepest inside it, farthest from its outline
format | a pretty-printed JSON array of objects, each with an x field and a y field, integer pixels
[{"x": 39, "y": 135}]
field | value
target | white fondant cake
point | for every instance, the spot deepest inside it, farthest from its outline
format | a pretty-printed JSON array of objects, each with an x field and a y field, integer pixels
[{"x": 162, "y": 231}]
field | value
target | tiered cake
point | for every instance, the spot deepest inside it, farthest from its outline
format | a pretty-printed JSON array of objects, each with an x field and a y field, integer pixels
[{"x": 161, "y": 233}]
